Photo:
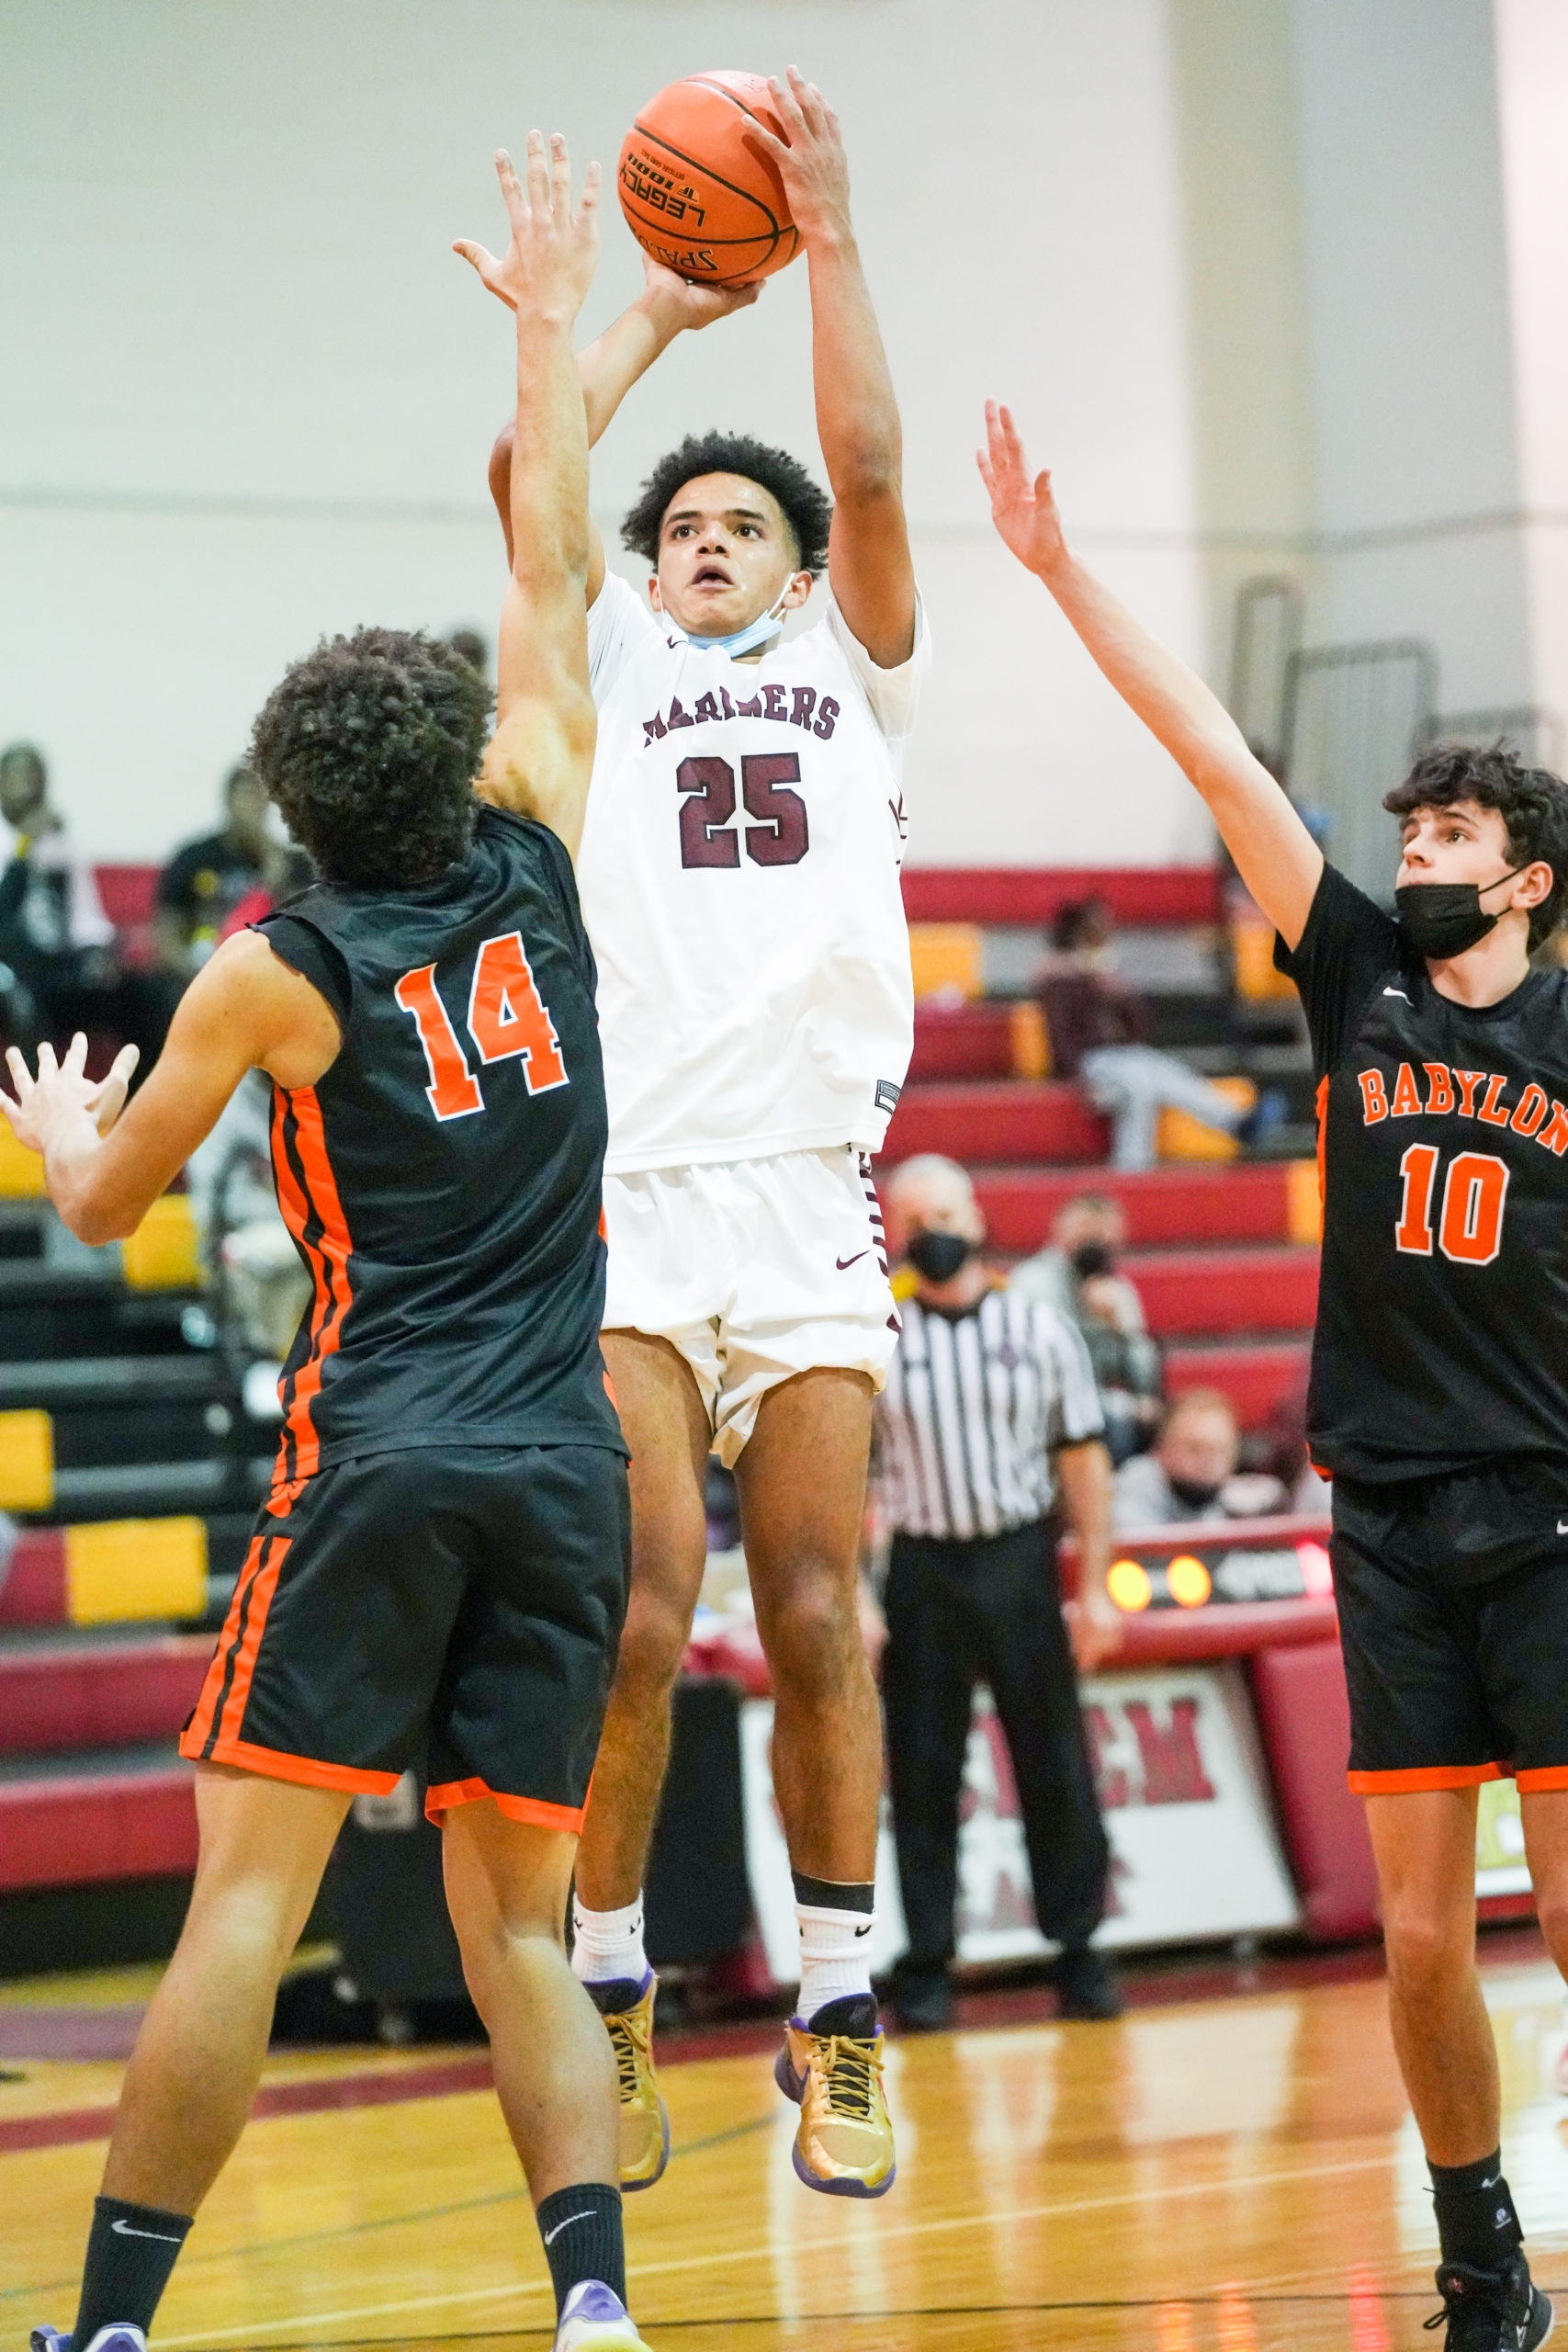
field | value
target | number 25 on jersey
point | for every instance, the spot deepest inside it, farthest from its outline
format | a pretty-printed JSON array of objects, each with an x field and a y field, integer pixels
[{"x": 507, "y": 1016}]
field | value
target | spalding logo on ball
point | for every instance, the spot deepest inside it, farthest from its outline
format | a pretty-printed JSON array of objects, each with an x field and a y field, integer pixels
[{"x": 694, "y": 195}]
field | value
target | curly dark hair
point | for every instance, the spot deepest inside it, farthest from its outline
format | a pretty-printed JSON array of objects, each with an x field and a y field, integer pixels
[
  {"x": 370, "y": 746},
  {"x": 1532, "y": 803},
  {"x": 806, "y": 510}
]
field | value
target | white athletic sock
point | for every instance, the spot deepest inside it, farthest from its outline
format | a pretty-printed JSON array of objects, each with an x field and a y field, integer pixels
[
  {"x": 607, "y": 1945},
  {"x": 834, "y": 1956}
]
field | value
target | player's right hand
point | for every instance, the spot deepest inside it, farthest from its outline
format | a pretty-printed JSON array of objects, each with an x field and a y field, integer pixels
[{"x": 549, "y": 267}]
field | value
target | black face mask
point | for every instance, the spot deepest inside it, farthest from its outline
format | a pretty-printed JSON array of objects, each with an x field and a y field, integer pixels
[
  {"x": 1092, "y": 1258},
  {"x": 1442, "y": 919},
  {"x": 1190, "y": 1494},
  {"x": 937, "y": 1257}
]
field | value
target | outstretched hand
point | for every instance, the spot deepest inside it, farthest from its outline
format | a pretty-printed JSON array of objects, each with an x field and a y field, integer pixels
[
  {"x": 549, "y": 264},
  {"x": 1024, "y": 512},
  {"x": 64, "y": 1087},
  {"x": 809, "y": 158}
]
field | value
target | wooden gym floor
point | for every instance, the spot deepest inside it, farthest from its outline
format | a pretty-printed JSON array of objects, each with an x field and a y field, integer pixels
[{"x": 1212, "y": 2174}]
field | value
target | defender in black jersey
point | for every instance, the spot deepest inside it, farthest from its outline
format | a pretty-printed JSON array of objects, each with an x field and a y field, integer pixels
[
  {"x": 443, "y": 1559},
  {"x": 1439, "y": 1381}
]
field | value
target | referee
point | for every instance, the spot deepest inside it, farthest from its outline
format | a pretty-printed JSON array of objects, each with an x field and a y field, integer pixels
[{"x": 989, "y": 1400}]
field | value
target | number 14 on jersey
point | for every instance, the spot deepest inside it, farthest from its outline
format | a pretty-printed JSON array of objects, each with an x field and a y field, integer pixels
[{"x": 507, "y": 1017}]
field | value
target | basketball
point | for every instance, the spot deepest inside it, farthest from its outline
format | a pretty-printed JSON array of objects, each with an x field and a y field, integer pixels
[{"x": 696, "y": 196}]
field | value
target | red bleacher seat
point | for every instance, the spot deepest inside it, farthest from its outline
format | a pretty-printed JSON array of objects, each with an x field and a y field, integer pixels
[
  {"x": 71, "y": 1831},
  {"x": 962, "y": 1041},
  {"x": 1257, "y": 1376},
  {"x": 1161, "y": 1205},
  {"x": 100, "y": 1697},
  {"x": 1191, "y": 1291},
  {"x": 1010, "y": 1120}
]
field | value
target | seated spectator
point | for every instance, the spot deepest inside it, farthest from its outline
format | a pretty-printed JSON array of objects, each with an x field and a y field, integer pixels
[
  {"x": 1077, "y": 1274},
  {"x": 1191, "y": 1475},
  {"x": 58, "y": 969},
  {"x": 1095, "y": 1028},
  {"x": 205, "y": 880}
]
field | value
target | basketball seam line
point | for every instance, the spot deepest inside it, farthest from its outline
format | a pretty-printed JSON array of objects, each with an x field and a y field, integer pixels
[{"x": 719, "y": 181}]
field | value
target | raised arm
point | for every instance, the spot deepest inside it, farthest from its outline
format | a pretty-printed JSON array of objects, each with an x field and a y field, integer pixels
[
  {"x": 541, "y": 755},
  {"x": 609, "y": 366},
  {"x": 869, "y": 565},
  {"x": 1276, "y": 857}
]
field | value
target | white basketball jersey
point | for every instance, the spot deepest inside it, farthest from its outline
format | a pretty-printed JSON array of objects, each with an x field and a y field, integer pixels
[{"x": 740, "y": 882}]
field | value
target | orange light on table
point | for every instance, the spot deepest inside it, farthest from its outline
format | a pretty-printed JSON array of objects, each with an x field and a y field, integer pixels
[
  {"x": 1189, "y": 1581},
  {"x": 1128, "y": 1585}
]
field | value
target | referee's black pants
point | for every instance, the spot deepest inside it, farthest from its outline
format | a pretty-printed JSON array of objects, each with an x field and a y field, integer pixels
[{"x": 988, "y": 1611}]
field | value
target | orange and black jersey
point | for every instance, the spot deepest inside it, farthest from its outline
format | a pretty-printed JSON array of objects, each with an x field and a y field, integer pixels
[
  {"x": 1442, "y": 1319},
  {"x": 442, "y": 1182}
]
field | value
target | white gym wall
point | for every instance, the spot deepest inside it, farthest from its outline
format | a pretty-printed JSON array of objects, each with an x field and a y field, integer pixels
[{"x": 1243, "y": 265}]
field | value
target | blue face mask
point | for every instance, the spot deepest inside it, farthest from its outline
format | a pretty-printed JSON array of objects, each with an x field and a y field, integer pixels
[{"x": 761, "y": 631}]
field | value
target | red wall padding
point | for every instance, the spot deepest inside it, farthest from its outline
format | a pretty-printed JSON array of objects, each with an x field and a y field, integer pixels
[
  {"x": 1027, "y": 894},
  {"x": 1303, "y": 1714}
]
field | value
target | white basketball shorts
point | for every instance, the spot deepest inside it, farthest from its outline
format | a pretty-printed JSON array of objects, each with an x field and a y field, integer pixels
[{"x": 754, "y": 1269}]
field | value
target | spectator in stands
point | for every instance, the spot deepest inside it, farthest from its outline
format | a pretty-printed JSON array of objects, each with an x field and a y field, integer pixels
[
  {"x": 205, "y": 880},
  {"x": 59, "y": 971},
  {"x": 989, "y": 1412},
  {"x": 1077, "y": 1274},
  {"x": 1191, "y": 1474},
  {"x": 1095, "y": 1028}
]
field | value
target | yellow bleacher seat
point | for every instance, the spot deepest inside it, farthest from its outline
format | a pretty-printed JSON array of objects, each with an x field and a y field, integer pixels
[
  {"x": 1181, "y": 1136},
  {"x": 26, "y": 1460},
  {"x": 162, "y": 1253},
  {"x": 1031, "y": 1040},
  {"x": 1303, "y": 1204},
  {"x": 21, "y": 1170},
  {"x": 122, "y": 1569},
  {"x": 1252, "y": 956},
  {"x": 945, "y": 958}
]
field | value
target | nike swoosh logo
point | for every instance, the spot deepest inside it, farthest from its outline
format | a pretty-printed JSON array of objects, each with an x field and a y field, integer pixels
[
  {"x": 1399, "y": 993},
  {"x": 124, "y": 2229},
  {"x": 842, "y": 1262},
  {"x": 1562, "y": 1530},
  {"x": 551, "y": 2235},
  {"x": 865, "y": 1930}
]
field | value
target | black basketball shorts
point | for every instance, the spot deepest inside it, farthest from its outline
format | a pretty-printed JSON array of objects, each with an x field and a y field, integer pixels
[
  {"x": 1453, "y": 1616},
  {"x": 466, "y": 1600}
]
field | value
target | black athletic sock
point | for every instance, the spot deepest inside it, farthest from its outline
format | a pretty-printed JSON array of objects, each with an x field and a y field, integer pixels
[
  {"x": 1476, "y": 2220},
  {"x": 581, "y": 2231},
  {"x": 835, "y": 1895},
  {"x": 130, "y": 2251}
]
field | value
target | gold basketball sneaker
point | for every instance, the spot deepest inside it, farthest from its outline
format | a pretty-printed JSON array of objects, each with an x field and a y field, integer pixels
[
  {"x": 627, "y": 2012},
  {"x": 833, "y": 2069}
]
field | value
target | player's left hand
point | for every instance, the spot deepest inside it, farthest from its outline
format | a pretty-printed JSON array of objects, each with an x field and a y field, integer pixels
[
  {"x": 64, "y": 1087},
  {"x": 1094, "y": 1629},
  {"x": 809, "y": 158},
  {"x": 549, "y": 264},
  {"x": 680, "y": 306}
]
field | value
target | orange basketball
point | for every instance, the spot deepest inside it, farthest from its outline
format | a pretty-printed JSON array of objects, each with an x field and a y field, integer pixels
[{"x": 694, "y": 195}]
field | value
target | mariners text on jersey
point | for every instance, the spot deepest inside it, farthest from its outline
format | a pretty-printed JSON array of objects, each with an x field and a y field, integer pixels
[{"x": 739, "y": 875}]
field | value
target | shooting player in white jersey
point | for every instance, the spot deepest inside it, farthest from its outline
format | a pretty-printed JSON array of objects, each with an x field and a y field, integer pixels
[{"x": 740, "y": 880}]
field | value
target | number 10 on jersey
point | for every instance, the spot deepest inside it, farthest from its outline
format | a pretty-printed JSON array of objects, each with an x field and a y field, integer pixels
[
  {"x": 1470, "y": 1226},
  {"x": 507, "y": 1016}
]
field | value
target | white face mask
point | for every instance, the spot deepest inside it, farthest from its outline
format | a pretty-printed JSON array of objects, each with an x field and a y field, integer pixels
[{"x": 761, "y": 631}]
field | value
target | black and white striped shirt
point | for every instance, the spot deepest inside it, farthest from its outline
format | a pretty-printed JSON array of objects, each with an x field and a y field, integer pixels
[{"x": 973, "y": 1405}]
